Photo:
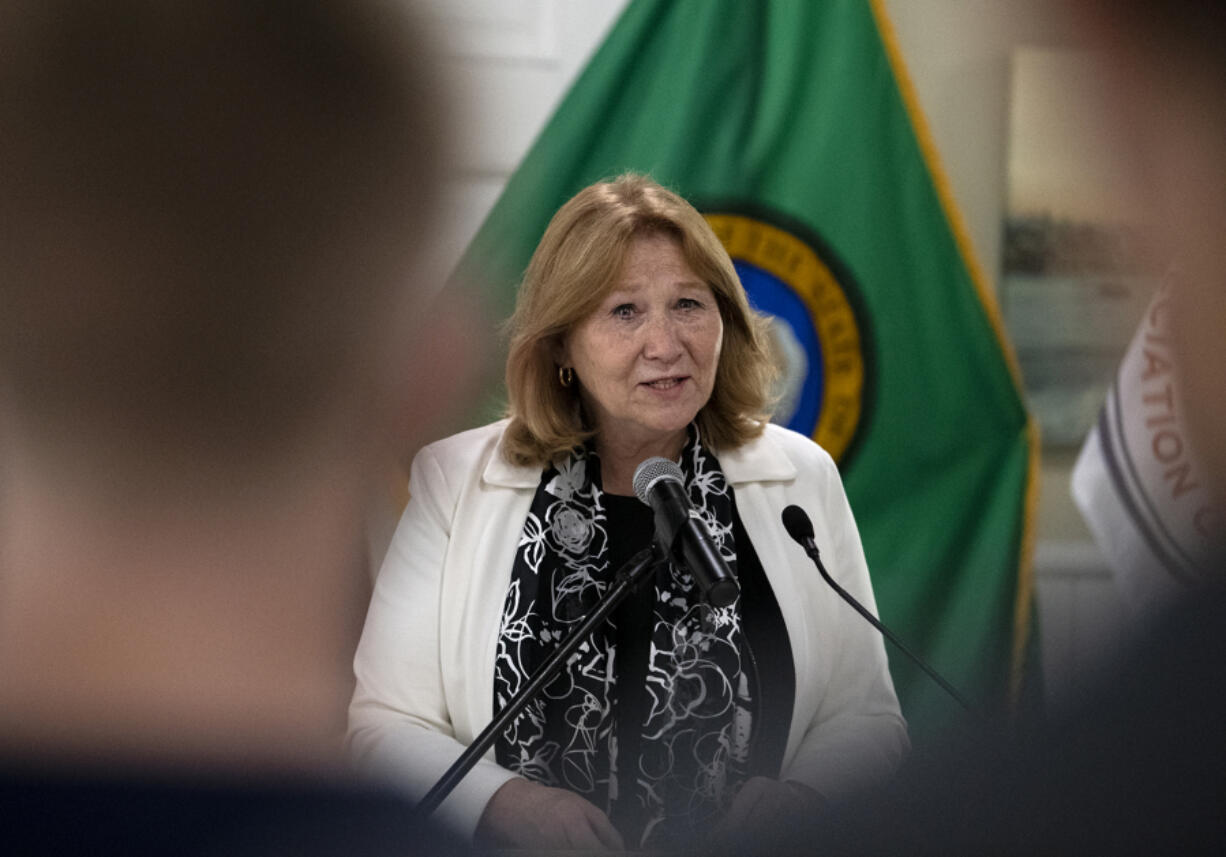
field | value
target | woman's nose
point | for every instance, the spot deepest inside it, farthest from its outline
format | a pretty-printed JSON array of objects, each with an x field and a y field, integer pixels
[{"x": 662, "y": 338}]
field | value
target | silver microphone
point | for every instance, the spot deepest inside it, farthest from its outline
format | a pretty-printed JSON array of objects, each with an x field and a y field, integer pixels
[{"x": 658, "y": 482}]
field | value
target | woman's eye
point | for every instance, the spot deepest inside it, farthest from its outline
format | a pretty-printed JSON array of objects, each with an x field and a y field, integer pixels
[
  {"x": 689, "y": 303},
  {"x": 624, "y": 311}
]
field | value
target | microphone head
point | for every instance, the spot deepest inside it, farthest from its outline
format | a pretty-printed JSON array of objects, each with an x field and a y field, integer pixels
[
  {"x": 798, "y": 525},
  {"x": 651, "y": 471}
]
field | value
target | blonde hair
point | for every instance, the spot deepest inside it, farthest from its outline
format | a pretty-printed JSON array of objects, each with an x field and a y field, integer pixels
[{"x": 576, "y": 264}]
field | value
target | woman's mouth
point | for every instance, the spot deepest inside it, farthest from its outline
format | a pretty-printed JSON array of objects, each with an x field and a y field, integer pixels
[{"x": 664, "y": 383}]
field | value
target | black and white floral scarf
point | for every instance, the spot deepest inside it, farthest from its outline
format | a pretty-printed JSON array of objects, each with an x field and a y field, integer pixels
[{"x": 695, "y": 741}]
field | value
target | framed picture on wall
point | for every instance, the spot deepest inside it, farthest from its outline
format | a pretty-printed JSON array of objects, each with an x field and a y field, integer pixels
[{"x": 1077, "y": 272}]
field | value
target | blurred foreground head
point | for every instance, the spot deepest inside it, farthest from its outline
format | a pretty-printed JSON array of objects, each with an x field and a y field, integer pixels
[
  {"x": 1169, "y": 73},
  {"x": 211, "y": 224},
  {"x": 210, "y": 214}
]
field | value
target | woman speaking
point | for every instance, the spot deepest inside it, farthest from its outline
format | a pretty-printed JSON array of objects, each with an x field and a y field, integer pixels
[{"x": 632, "y": 338}]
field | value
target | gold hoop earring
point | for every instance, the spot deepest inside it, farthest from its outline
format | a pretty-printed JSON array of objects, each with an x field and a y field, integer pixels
[{"x": 566, "y": 376}]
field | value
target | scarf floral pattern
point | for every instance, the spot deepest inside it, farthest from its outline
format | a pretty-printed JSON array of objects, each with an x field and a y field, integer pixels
[{"x": 694, "y": 744}]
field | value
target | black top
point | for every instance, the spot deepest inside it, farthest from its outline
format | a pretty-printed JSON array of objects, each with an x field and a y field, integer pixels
[{"x": 766, "y": 656}]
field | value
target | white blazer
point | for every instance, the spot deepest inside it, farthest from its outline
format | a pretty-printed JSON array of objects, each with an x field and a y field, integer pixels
[{"x": 425, "y": 664}]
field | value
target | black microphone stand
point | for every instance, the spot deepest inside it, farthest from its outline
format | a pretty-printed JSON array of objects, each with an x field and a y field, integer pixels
[
  {"x": 624, "y": 582},
  {"x": 811, "y": 550}
]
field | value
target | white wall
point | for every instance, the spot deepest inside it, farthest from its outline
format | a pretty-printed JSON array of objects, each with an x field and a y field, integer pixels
[
  {"x": 512, "y": 60},
  {"x": 509, "y": 63}
]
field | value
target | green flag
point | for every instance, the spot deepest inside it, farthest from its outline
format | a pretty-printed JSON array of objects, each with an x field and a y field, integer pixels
[{"x": 792, "y": 127}]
